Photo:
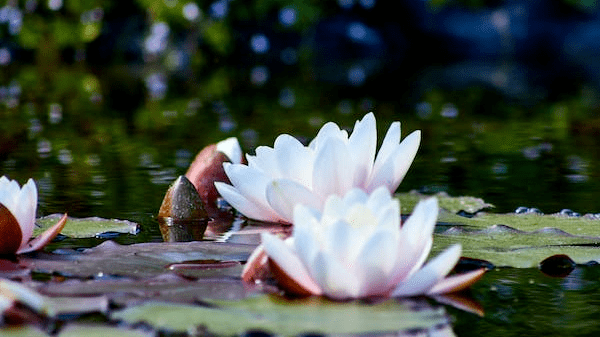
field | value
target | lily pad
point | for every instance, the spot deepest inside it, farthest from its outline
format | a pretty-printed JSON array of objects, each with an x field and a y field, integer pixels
[
  {"x": 22, "y": 331},
  {"x": 97, "y": 330},
  {"x": 139, "y": 260},
  {"x": 288, "y": 317},
  {"x": 506, "y": 246},
  {"x": 86, "y": 227},
  {"x": 408, "y": 201}
]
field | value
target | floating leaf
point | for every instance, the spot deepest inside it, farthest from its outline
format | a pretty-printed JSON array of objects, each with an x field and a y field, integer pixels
[
  {"x": 138, "y": 260},
  {"x": 288, "y": 317},
  {"x": 96, "y": 330},
  {"x": 408, "y": 201},
  {"x": 22, "y": 331},
  {"x": 506, "y": 246},
  {"x": 86, "y": 227}
]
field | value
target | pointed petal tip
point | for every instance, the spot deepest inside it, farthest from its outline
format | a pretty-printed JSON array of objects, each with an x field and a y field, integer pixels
[{"x": 45, "y": 238}]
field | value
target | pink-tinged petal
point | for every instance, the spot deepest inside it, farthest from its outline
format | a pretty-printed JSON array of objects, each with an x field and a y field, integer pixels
[
  {"x": 405, "y": 156},
  {"x": 335, "y": 280},
  {"x": 374, "y": 265},
  {"x": 231, "y": 148},
  {"x": 265, "y": 161},
  {"x": 338, "y": 239},
  {"x": 362, "y": 145},
  {"x": 289, "y": 263},
  {"x": 391, "y": 172},
  {"x": 45, "y": 238},
  {"x": 256, "y": 267},
  {"x": 416, "y": 239},
  {"x": 436, "y": 269},
  {"x": 25, "y": 210},
  {"x": 252, "y": 184},
  {"x": 305, "y": 239},
  {"x": 457, "y": 282},
  {"x": 283, "y": 195},
  {"x": 327, "y": 131},
  {"x": 333, "y": 172},
  {"x": 388, "y": 146},
  {"x": 245, "y": 206},
  {"x": 294, "y": 160},
  {"x": 380, "y": 199}
]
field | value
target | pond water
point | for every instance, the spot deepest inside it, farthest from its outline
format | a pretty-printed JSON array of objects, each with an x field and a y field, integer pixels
[{"x": 105, "y": 122}]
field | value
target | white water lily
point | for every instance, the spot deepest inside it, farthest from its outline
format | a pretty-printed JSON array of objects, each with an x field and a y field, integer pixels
[
  {"x": 356, "y": 248},
  {"x": 17, "y": 218},
  {"x": 278, "y": 178}
]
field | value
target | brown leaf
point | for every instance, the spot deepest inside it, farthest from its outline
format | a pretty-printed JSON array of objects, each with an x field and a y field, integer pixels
[{"x": 10, "y": 240}]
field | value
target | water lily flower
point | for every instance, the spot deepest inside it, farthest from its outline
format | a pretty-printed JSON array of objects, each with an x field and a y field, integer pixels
[
  {"x": 356, "y": 248},
  {"x": 289, "y": 173},
  {"x": 17, "y": 218}
]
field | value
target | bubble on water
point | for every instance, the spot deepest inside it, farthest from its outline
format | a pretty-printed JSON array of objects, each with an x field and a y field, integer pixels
[
  {"x": 259, "y": 75},
  {"x": 35, "y": 127},
  {"x": 423, "y": 110},
  {"x": 499, "y": 169},
  {"x": 357, "y": 75},
  {"x": 249, "y": 138},
  {"x": 55, "y": 5},
  {"x": 346, "y": 4},
  {"x": 531, "y": 152},
  {"x": 5, "y": 57},
  {"x": 288, "y": 16},
  {"x": 44, "y": 148},
  {"x": 219, "y": 9},
  {"x": 55, "y": 113},
  {"x": 183, "y": 158},
  {"x": 99, "y": 179},
  {"x": 344, "y": 107},
  {"x": 259, "y": 43},
  {"x": 449, "y": 110},
  {"x": 65, "y": 156},
  {"x": 191, "y": 11},
  {"x": 287, "y": 98}
]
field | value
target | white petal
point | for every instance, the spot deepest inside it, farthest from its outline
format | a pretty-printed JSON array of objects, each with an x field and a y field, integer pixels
[
  {"x": 380, "y": 199},
  {"x": 375, "y": 263},
  {"x": 294, "y": 160},
  {"x": 329, "y": 130},
  {"x": 416, "y": 239},
  {"x": 283, "y": 195},
  {"x": 362, "y": 145},
  {"x": 265, "y": 161},
  {"x": 389, "y": 144},
  {"x": 231, "y": 148},
  {"x": 434, "y": 271},
  {"x": 25, "y": 210},
  {"x": 332, "y": 171},
  {"x": 339, "y": 242},
  {"x": 243, "y": 205},
  {"x": 249, "y": 182},
  {"x": 289, "y": 262},
  {"x": 406, "y": 154},
  {"x": 333, "y": 278},
  {"x": 390, "y": 172}
]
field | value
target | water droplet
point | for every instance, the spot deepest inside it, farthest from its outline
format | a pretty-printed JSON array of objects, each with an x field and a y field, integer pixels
[
  {"x": 259, "y": 75},
  {"x": 287, "y": 16},
  {"x": 219, "y": 9},
  {"x": 54, "y": 113},
  {"x": 65, "y": 157},
  {"x": 191, "y": 11},
  {"x": 259, "y": 43}
]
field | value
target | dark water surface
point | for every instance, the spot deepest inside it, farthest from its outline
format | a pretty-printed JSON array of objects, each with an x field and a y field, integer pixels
[{"x": 106, "y": 119}]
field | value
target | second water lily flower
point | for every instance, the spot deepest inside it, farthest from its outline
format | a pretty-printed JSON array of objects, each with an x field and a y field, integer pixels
[
  {"x": 278, "y": 178},
  {"x": 356, "y": 248},
  {"x": 17, "y": 218}
]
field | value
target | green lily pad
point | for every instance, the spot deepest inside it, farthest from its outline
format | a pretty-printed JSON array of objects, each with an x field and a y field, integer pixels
[
  {"x": 408, "y": 201},
  {"x": 97, "y": 330},
  {"x": 86, "y": 227},
  {"x": 22, "y": 331},
  {"x": 287, "y": 317},
  {"x": 506, "y": 246},
  {"x": 142, "y": 259}
]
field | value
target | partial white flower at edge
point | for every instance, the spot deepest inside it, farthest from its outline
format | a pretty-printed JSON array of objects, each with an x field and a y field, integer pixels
[
  {"x": 17, "y": 218},
  {"x": 278, "y": 178},
  {"x": 356, "y": 248}
]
